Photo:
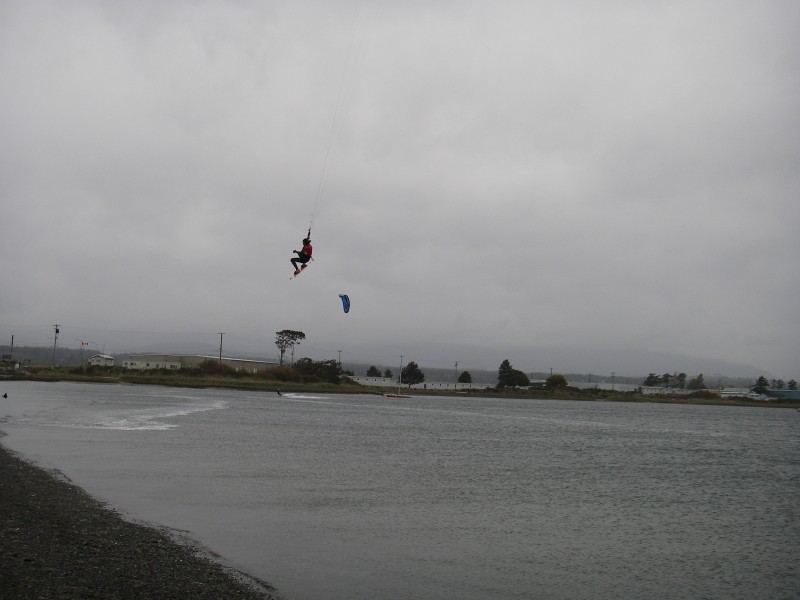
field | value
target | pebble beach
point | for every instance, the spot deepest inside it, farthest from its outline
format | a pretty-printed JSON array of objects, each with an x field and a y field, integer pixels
[{"x": 56, "y": 541}]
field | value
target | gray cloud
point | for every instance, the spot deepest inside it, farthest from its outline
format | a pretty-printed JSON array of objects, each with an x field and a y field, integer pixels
[{"x": 618, "y": 180}]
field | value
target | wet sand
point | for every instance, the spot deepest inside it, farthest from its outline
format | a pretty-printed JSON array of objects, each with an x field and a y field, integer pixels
[{"x": 58, "y": 542}]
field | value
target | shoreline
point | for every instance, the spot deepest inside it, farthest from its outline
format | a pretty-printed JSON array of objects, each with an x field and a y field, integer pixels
[
  {"x": 271, "y": 386},
  {"x": 56, "y": 541}
]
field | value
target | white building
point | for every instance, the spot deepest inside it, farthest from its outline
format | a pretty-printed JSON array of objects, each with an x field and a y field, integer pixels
[
  {"x": 146, "y": 362},
  {"x": 426, "y": 385},
  {"x": 174, "y": 362},
  {"x": 656, "y": 390},
  {"x": 101, "y": 360}
]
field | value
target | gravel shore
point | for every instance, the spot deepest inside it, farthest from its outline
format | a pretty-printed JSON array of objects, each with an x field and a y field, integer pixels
[{"x": 58, "y": 542}]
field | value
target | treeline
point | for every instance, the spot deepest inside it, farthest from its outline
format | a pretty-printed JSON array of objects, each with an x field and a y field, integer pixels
[
  {"x": 507, "y": 376},
  {"x": 410, "y": 374},
  {"x": 763, "y": 384},
  {"x": 679, "y": 381},
  {"x": 675, "y": 380},
  {"x": 304, "y": 370}
]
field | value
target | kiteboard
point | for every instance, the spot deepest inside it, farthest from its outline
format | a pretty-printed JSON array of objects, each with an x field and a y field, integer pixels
[{"x": 298, "y": 273}]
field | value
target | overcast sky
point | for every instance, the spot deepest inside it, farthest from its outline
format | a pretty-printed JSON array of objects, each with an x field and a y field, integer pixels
[{"x": 600, "y": 185}]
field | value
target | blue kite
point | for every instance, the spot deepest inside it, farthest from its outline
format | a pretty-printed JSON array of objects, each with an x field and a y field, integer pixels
[{"x": 345, "y": 302}]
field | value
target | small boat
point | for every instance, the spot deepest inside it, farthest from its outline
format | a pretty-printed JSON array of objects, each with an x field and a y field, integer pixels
[{"x": 396, "y": 396}]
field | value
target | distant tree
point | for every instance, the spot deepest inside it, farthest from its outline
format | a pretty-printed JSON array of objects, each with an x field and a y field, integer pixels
[
  {"x": 305, "y": 366},
  {"x": 519, "y": 379},
  {"x": 555, "y": 381},
  {"x": 697, "y": 383},
  {"x": 373, "y": 371},
  {"x": 792, "y": 384},
  {"x": 282, "y": 341},
  {"x": 465, "y": 377},
  {"x": 329, "y": 370},
  {"x": 666, "y": 378},
  {"x": 287, "y": 338},
  {"x": 388, "y": 374},
  {"x": 680, "y": 380},
  {"x": 326, "y": 370},
  {"x": 652, "y": 380},
  {"x": 504, "y": 374},
  {"x": 778, "y": 384},
  {"x": 508, "y": 376},
  {"x": 411, "y": 374},
  {"x": 761, "y": 385}
]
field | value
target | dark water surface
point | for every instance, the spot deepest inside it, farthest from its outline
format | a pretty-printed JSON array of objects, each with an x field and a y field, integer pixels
[{"x": 363, "y": 497}]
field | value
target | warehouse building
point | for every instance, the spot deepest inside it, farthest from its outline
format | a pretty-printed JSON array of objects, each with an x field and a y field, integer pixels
[
  {"x": 101, "y": 360},
  {"x": 175, "y": 362}
]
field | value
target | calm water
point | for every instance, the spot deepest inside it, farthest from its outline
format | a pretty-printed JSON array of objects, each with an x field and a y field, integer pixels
[{"x": 361, "y": 497}]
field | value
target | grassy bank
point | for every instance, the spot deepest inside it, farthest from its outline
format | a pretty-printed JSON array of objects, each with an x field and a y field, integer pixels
[
  {"x": 252, "y": 383},
  {"x": 260, "y": 383}
]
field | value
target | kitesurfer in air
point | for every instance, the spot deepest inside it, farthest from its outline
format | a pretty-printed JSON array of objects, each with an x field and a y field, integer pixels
[{"x": 303, "y": 256}]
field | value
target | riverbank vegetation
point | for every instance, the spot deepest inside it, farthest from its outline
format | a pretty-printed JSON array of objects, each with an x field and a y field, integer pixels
[
  {"x": 326, "y": 377},
  {"x": 306, "y": 375}
]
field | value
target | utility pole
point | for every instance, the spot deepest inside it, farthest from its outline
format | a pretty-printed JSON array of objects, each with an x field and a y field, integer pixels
[
  {"x": 221, "y": 333},
  {"x": 613, "y": 380},
  {"x": 455, "y": 383},
  {"x": 55, "y": 341},
  {"x": 340, "y": 358},
  {"x": 400, "y": 381}
]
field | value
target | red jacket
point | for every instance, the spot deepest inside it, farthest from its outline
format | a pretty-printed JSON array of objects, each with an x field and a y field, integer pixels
[{"x": 307, "y": 249}]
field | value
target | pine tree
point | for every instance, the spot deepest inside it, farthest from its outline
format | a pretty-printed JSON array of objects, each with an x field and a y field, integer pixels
[{"x": 411, "y": 374}]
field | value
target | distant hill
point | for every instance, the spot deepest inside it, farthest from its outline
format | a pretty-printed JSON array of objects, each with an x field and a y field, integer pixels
[
  {"x": 73, "y": 357},
  {"x": 43, "y": 357}
]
